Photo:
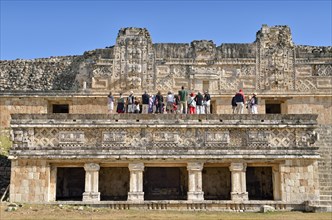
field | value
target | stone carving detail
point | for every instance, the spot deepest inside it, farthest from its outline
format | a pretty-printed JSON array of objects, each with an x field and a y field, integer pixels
[
  {"x": 306, "y": 85},
  {"x": 102, "y": 70},
  {"x": 229, "y": 84},
  {"x": 23, "y": 138},
  {"x": 134, "y": 60},
  {"x": 323, "y": 70},
  {"x": 258, "y": 138},
  {"x": 160, "y": 137},
  {"x": 46, "y": 137},
  {"x": 282, "y": 138},
  {"x": 217, "y": 137},
  {"x": 248, "y": 70},
  {"x": 71, "y": 137},
  {"x": 306, "y": 138},
  {"x": 115, "y": 136},
  {"x": 204, "y": 50},
  {"x": 276, "y": 58}
]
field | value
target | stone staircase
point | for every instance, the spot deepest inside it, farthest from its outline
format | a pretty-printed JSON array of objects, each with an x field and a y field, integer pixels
[{"x": 325, "y": 167}]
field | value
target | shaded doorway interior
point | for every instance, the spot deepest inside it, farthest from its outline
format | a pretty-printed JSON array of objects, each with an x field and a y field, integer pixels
[
  {"x": 70, "y": 183},
  {"x": 114, "y": 183},
  {"x": 216, "y": 183},
  {"x": 165, "y": 183},
  {"x": 273, "y": 108},
  {"x": 259, "y": 183}
]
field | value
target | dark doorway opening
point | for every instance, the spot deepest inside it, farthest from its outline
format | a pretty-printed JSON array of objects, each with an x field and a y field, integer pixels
[
  {"x": 216, "y": 183},
  {"x": 63, "y": 108},
  {"x": 70, "y": 183},
  {"x": 273, "y": 108},
  {"x": 259, "y": 183},
  {"x": 165, "y": 183},
  {"x": 114, "y": 183}
]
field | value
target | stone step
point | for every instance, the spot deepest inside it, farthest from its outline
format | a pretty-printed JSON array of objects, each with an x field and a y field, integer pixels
[{"x": 325, "y": 203}]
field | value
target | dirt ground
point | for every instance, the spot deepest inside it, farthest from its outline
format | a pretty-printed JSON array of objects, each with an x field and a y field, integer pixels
[{"x": 37, "y": 212}]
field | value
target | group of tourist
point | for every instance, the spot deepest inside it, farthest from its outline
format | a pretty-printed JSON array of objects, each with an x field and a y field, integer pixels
[
  {"x": 239, "y": 101},
  {"x": 172, "y": 104},
  {"x": 181, "y": 103}
]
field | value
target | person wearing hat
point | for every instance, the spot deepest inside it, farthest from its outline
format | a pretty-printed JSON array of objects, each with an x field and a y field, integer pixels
[{"x": 254, "y": 103}]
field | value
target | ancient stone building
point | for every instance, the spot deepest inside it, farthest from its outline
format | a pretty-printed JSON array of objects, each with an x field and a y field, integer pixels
[{"x": 66, "y": 148}]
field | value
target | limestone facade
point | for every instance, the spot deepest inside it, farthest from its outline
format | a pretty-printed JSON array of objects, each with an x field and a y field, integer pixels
[{"x": 288, "y": 78}]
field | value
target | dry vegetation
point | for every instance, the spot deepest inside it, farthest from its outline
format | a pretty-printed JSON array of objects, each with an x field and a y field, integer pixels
[{"x": 36, "y": 212}]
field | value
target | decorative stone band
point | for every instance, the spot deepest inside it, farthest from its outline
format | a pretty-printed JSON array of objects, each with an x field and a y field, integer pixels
[{"x": 137, "y": 136}]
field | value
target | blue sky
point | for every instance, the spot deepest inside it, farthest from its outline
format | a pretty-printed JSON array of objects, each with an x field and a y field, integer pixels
[{"x": 41, "y": 28}]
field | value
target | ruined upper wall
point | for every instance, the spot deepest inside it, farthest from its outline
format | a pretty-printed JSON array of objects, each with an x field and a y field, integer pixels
[{"x": 270, "y": 64}]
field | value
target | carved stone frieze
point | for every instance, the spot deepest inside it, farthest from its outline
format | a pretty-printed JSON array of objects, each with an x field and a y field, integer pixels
[
  {"x": 69, "y": 137},
  {"x": 323, "y": 70},
  {"x": 115, "y": 136},
  {"x": 282, "y": 138},
  {"x": 204, "y": 50},
  {"x": 276, "y": 59},
  {"x": 258, "y": 138}
]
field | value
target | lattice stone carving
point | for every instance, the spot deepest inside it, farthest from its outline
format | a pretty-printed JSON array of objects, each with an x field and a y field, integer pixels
[
  {"x": 248, "y": 70},
  {"x": 46, "y": 137},
  {"x": 229, "y": 84},
  {"x": 102, "y": 70},
  {"x": 282, "y": 137},
  {"x": 306, "y": 85},
  {"x": 323, "y": 70}
]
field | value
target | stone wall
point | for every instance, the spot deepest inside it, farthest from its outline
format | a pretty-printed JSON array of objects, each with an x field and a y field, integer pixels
[
  {"x": 300, "y": 180},
  {"x": 325, "y": 166},
  {"x": 29, "y": 181}
]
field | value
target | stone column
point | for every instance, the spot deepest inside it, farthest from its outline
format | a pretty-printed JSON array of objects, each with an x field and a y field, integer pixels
[
  {"x": 136, "y": 182},
  {"x": 91, "y": 182},
  {"x": 239, "y": 189},
  {"x": 276, "y": 183},
  {"x": 195, "y": 192}
]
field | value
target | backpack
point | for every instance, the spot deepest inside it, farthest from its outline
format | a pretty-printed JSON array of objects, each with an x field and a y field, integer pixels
[{"x": 233, "y": 101}]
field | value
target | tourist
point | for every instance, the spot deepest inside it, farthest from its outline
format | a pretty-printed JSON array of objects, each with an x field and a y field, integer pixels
[
  {"x": 159, "y": 103},
  {"x": 207, "y": 102},
  {"x": 254, "y": 103},
  {"x": 248, "y": 105},
  {"x": 110, "y": 101},
  {"x": 176, "y": 104},
  {"x": 145, "y": 103},
  {"x": 130, "y": 102},
  {"x": 121, "y": 105},
  {"x": 183, "y": 94},
  {"x": 233, "y": 104},
  {"x": 192, "y": 103},
  {"x": 151, "y": 103},
  {"x": 239, "y": 99},
  {"x": 136, "y": 105},
  {"x": 199, "y": 103},
  {"x": 170, "y": 101}
]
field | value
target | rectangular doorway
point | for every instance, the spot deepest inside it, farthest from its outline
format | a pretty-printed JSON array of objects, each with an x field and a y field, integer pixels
[
  {"x": 70, "y": 183},
  {"x": 216, "y": 183},
  {"x": 165, "y": 183},
  {"x": 259, "y": 183}
]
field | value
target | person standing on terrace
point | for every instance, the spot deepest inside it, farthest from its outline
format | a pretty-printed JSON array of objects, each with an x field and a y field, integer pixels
[{"x": 183, "y": 94}]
